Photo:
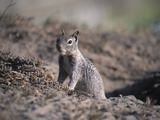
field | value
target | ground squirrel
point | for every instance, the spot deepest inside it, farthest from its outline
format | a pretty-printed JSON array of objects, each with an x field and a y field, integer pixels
[{"x": 73, "y": 64}]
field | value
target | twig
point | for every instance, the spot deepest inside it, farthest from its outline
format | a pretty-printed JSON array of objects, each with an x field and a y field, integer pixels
[{"x": 11, "y": 3}]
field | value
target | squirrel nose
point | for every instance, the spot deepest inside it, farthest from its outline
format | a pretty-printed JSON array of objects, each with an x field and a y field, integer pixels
[{"x": 60, "y": 49}]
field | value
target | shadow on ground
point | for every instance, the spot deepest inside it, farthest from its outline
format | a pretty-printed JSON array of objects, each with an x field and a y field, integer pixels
[{"x": 144, "y": 89}]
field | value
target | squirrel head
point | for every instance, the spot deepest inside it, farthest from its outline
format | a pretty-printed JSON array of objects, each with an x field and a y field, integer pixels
[{"x": 67, "y": 45}]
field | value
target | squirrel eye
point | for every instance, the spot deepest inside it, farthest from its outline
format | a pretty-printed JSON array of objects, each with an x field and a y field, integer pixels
[{"x": 69, "y": 42}]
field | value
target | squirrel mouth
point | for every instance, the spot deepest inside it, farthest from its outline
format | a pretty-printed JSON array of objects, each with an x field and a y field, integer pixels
[{"x": 62, "y": 52}]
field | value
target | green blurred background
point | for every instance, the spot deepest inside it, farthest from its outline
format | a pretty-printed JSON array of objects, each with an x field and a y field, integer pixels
[{"x": 102, "y": 14}]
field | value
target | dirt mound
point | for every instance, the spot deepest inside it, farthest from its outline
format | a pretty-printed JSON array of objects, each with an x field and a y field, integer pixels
[{"x": 28, "y": 91}]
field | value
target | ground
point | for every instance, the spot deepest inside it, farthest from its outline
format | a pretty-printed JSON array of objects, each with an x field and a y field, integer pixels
[{"x": 128, "y": 62}]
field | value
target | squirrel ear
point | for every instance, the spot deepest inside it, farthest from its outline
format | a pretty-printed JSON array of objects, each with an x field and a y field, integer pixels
[
  {"x": 75, "y": 34},
  {"x": 62, "y": 31}
]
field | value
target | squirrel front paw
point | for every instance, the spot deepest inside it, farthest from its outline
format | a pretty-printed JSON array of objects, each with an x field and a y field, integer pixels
[
  {"x": 71, "y": 89},
  {"x": 70, "y": 92}
]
